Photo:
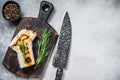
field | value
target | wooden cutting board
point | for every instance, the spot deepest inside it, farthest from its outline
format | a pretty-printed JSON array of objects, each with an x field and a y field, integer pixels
[{"x": 11, "y": 61}]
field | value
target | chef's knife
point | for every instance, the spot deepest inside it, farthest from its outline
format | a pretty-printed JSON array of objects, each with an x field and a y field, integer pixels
[{"x": 63, "y": 48}]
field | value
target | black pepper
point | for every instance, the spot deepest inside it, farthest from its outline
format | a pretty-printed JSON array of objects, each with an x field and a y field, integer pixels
[{"x": 11, "y": 11}]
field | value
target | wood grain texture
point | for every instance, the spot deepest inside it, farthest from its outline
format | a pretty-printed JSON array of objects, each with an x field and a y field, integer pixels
[{"x": 11, "y": 62}]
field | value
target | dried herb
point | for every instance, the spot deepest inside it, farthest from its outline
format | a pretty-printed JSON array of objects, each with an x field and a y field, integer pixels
[{"x": 43, "y": 46}]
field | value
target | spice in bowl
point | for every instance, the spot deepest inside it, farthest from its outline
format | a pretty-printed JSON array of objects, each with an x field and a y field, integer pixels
[{"x": 11, "y": 11}]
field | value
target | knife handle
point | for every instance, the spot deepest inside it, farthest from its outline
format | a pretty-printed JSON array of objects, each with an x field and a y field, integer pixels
[{"x": 59, "y": 74}]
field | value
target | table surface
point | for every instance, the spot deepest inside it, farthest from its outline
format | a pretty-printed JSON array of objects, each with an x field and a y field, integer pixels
[{"x": 95, "y": 51}]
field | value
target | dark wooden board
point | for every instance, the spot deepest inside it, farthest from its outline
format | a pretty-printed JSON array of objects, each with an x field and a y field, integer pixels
[{"x": 11, "y": 61}]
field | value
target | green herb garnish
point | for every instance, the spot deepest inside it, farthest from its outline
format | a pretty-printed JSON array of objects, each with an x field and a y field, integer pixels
[
  {"x": 43, "y": 46},
  {"x": 22, "y": 48}
]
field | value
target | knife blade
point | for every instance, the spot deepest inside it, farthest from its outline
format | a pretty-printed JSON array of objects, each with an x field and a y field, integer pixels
[{"x": 63, "y": 48}]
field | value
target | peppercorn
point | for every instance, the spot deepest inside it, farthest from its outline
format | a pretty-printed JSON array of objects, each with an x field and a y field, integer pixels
[
  {"x": 28, "y": 60},
  {"x": 11, "y": 11}
]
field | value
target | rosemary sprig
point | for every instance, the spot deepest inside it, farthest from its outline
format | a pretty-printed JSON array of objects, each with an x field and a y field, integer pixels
[
  {"x": 43, "y": 46},
  {"x": 22, "y": 48}
]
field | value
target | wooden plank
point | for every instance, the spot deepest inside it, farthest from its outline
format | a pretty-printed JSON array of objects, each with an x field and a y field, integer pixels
[{"x": 11, "y": 62}]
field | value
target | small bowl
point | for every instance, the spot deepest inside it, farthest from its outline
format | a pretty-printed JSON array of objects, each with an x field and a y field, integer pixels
[{"x": 11, "y": 11}]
